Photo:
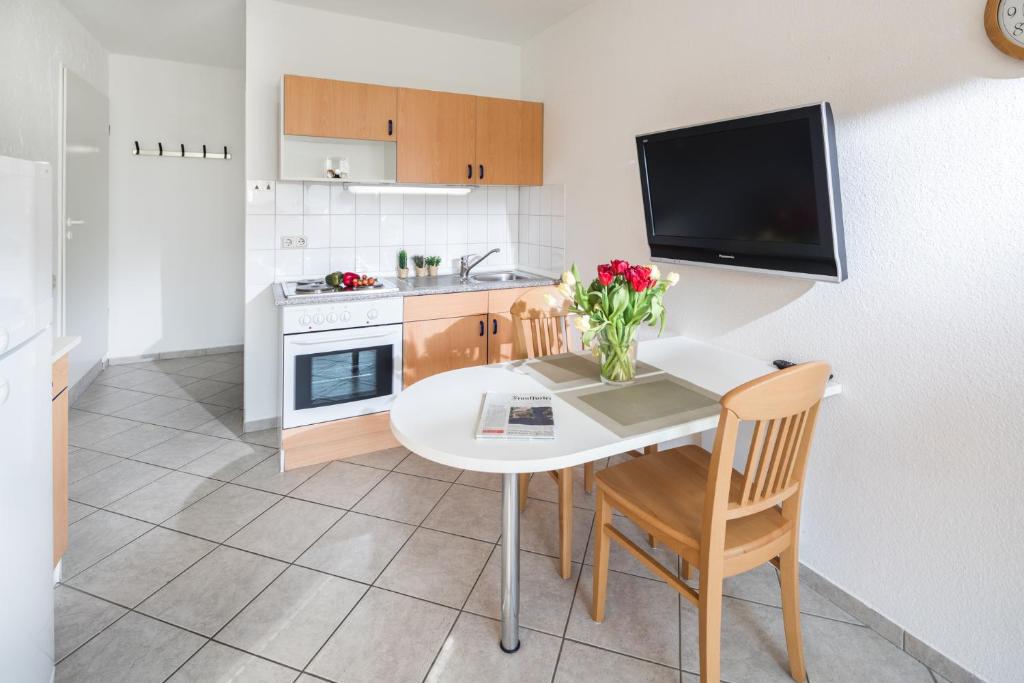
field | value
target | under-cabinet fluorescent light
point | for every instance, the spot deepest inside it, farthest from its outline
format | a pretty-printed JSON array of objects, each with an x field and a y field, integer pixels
[{"x": 407, "y": 189}]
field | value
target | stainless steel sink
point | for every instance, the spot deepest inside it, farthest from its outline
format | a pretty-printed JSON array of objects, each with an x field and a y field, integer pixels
[{"x": 508, "y": 276}]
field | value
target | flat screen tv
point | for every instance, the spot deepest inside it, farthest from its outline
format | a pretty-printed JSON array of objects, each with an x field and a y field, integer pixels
[{"x": 759, "y": 193}]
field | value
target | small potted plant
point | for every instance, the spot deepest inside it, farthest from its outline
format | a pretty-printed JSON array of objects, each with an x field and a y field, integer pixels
[
  {"x": 403, "y": 264},
  {"x": 433, "y": 262},
  {"x": 420, "y": 262}
]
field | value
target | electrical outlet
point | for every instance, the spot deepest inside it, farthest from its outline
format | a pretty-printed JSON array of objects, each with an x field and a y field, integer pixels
[{"x": 293, "y": 242}]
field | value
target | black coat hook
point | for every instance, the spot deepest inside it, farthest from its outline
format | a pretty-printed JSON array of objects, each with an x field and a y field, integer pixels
[
  {"x": 136, "y": 147},
  {"x": 183, "y": 150},
  {"x": 225, "y": 151},
  {"x": 204, "y": 151},
  {"x": 161, "y": 146}
]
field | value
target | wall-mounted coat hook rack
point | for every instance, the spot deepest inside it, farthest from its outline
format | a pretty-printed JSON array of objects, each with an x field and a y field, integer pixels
[{"x": 181, "y": 152}]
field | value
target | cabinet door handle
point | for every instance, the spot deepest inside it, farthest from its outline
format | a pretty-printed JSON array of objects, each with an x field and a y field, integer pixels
[
  {"x": 481, "y": 328},
  {"x": 391, "y": 127},
  {"x": 494, "y": 326},
  {"x": 481, "y": 171},
  {"x": 469, "y": 171}
]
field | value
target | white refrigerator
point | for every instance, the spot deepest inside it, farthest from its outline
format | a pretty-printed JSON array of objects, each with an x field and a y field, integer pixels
[{"x": 26, "y": 474}]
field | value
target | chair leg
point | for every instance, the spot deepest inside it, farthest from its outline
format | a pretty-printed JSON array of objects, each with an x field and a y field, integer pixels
[
  {"x": 710, "y": 616},
  {"x": 565, "y": 521},
  {"x": 789, "y": 578},
  {"x": 601, "y": 550},
  {"x": 588, "y": 477},
  {"x": 524, "y": 487}
]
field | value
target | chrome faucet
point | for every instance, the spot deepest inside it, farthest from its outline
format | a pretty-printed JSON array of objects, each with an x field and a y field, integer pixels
[{"x": 465, "y": 266}]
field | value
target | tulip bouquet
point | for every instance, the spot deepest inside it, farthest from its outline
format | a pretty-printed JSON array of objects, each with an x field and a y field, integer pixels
[{"x": 620, "y": 299}]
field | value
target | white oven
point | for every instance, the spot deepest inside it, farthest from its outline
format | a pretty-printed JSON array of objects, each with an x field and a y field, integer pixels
[{"x": 340, "y": 360}]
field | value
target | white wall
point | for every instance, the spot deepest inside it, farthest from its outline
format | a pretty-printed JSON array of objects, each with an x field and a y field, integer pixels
[
  {"x": 176, "y": 225},
  {"x": 283, "y": 39},
  {"x": 38, "y": 37},
  {"x": 913, "y": 503}
]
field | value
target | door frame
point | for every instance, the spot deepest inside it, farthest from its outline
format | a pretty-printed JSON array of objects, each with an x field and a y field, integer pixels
[{"x": 59, "y": 242}]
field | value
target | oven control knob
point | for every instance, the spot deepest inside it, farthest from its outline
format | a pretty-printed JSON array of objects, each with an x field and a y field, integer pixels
[
  {"x": 304, "y": 320},
  {"x": 371, "y": 314},
  {"x": 345, "y": 316},
  {"x": 318, "y": 319},
  {"x": 332, "y": 317}
]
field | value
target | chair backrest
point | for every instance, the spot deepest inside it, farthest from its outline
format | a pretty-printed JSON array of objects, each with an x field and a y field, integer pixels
[
  {"x": 539, "y": 320},
  {"x": 784, "y": 409}
]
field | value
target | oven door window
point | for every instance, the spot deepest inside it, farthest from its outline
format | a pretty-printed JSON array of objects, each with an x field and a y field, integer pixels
[{"x": 333, "y": 377}]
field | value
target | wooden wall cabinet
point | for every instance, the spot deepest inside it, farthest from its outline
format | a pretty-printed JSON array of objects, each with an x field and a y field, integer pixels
[
  {"x": 320, "y": 107},
  {"x": 59, "y": 407},
  {"x": 439, "y": 137},
  {"x": 509, "y": 142}
]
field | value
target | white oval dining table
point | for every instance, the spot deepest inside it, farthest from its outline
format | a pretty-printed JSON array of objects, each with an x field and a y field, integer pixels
[{"x": 436, "y": 418}]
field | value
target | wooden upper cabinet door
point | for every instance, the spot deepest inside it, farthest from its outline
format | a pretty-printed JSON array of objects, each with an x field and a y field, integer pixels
[
  {"x": 438, "y": 137},
  {"x": 509, "y": 142},
  {"x": 433, "y": 346},
  {"x": 339, "y": 109}
]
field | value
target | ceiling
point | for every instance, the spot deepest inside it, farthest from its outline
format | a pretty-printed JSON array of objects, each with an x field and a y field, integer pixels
[
  {"x": 508, "y": 21},
  {"x": 210, "y": 31},
  {"x": 197, "y": 31}
]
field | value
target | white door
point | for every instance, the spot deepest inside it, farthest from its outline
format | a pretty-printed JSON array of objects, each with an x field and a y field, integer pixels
[{"x": 86, "y": 295}]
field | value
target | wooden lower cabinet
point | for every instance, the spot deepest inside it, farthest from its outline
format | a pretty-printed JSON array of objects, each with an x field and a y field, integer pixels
[
  {"x": 501, "y": 346},
  {"x": 433, "y": 346},
  {"x": 335, "y": 440},
  {"x": 59, "y": 408}
]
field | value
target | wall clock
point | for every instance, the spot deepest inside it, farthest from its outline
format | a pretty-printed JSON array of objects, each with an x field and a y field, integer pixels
[{"x": 1004, "y": 23}]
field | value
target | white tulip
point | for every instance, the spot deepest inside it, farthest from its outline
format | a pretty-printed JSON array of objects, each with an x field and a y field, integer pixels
[
  {"x": 655, "y": 273},
  {"x": 568, "y": 278},
  {"x": 581, "y": 323},
  {"x": 550, "y": 300},
  {"x": 565, "y": 290},
  {"x": 673, "y": 279}
]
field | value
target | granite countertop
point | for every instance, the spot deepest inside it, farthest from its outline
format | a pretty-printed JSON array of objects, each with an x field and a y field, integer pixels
[{"x": 414, "y": 286}]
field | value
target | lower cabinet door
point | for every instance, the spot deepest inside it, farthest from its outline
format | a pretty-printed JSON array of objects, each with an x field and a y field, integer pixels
[
  {"x": 433, "y": 346},
  {"x": 60, "y": 475},
  {"x": 501, "y": 344}
]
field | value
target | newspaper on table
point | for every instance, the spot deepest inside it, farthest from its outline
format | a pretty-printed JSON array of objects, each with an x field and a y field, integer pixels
[{"x": 516, "y": 416}]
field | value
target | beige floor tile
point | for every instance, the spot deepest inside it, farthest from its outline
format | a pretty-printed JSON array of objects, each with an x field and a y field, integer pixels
[
  {"x": 294, "y": 616},
  {"x": 231, "y": 395},
  {"x": 166, "y": 384},
  {"x": 421, "y": 467},
  {"x": 84, "y": 433},
  {"x": 539, "y": 529},
  {"x": 227, "y": 425},
  {"x": 173, "y": 364},
  {"x": 545, "y": 598},
  {"x": 222, "y": 513},
  {"x": 217, "y": 663},
  {"x": 191, "y": 416},
  {"x": 403, "y": 498},
  {"x": 580, "y": 662},
  {"x": 207, "y": 368},
  {"x": 179, "y": 450},
  {"x": 234, "y": 374},
  {"x": 471, "y": 654},
  {"x": 386, "y": 459},
  {"x": 543, "y": 487},
  {"x": 468, "y": 511},
  {"x": 142, "y": 567},
  {"x": 268, "y": 476},
  {"x": 287, "y": 529},
  {"x": 200, "y": 390},
  {"x": 77, "y": 511},
  {"x": 229, "y": 460},
  {"x": 271, "y": 438},
  {"x": 77, "y": 418},
  {"x": 481, "y": 480},
  {"x": 84, "y": 462},
  {"x": 762, "y": 585},
  {"x": 135, "y": 440},
  {"x": 78, "y": 617},
  {"x": 114, "y": 482},
  {"x": 437, "y": 567},
  {"x": 402, "y": 633},
  {"x": 153, "y": 408},
  {"x": 95, "y": 537},
  {"x": 357, "y": 547},
  {"x": 136, "y": 649},
  {"x": 211, "y": 592},
  {"x": 111, "y": 401},
  {"x": 339, "y": 484},
  {"x": 165, "y": 497},
  {"x": 641, "y": 618},
  {"x": 127, "y": 378}
]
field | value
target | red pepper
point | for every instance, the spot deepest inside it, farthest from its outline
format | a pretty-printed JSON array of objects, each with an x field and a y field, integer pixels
[{"x": 349, "y": 279}]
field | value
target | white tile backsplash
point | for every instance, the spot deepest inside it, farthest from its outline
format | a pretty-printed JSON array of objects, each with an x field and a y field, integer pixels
[{"x": 364, "y": 232}]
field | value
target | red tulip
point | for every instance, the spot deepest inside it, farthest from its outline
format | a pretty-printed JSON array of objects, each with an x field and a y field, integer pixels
[
  {"x": 605, "y": 274},
  {"x": 619, "y": 267}
]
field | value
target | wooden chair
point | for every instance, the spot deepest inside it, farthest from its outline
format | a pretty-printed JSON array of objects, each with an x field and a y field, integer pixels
[
  {"x": 540, "y": 330},
  {"x": 716, "y": 518}
]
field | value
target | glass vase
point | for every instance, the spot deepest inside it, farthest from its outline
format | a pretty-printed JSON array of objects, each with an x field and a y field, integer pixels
[{"x": 617, "y": 353}]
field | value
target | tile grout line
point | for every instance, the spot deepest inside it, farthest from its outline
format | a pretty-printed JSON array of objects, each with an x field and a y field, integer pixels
[{"x": 572, "y": 602}]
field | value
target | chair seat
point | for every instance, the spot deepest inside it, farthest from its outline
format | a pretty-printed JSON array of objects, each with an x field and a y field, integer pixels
[{"x": 665, "y": 492}]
